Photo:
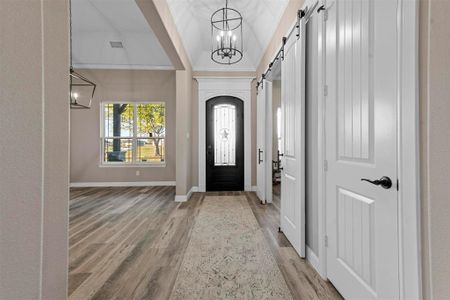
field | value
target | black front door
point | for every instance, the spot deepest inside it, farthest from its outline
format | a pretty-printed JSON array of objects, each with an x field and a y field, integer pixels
[{"x": 224, "y": 144}]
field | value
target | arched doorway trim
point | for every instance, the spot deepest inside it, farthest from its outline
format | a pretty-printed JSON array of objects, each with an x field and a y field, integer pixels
[{"x": 210, "y": 87}]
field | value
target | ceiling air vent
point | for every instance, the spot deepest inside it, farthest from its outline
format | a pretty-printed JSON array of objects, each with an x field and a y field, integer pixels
[{"x": 116, "y": 44}]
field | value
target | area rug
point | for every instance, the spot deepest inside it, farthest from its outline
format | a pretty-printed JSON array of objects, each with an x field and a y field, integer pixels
[{"x": 228, "y": 256}]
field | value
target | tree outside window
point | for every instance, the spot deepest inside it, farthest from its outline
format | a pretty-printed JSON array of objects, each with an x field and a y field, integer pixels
[{"x": 133, "y": 133}]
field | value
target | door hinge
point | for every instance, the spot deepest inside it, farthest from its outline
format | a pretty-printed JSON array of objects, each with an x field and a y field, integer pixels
[
  {"x": 325, "y": 165},
  {"x": 325, "y": 90},
  {"x": 326, "y": 241}
]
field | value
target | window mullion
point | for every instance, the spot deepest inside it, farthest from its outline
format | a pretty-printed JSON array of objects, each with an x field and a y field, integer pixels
[{"x": 134, "y": 154}]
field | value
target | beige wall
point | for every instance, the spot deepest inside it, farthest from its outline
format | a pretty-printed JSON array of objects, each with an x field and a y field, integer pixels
[
  {"x": 121, "y": 85},
  {"x": 194, "y": 139},
  {"x": 34, "y": 170},
  {"x": 184, "y": 132},
  {"x": 435, "y": 146}
]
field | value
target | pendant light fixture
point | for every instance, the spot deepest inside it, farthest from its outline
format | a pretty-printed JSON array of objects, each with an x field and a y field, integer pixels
[
  {"x": 81, "y": 89},
  {"x": 226, "y": 36}
]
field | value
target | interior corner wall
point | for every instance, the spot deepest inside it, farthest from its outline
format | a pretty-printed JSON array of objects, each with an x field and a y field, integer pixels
[
  {"x": 194, "y": 136},
  {"x": 434, "y": 70},
  {"x": 121, "y": 85},
  {"x": 34, "y": 170},
  {"x": 184, "y": 107},
  {"x": 254, "y": 135}
]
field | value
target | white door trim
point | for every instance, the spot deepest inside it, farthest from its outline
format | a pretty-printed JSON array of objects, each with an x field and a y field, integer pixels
[
  {"x": 408, "y": 152},
  {"x": 268, "y": 141},
  {"x": 210, "y": 87},
  {"x": 321, "y": 150}
]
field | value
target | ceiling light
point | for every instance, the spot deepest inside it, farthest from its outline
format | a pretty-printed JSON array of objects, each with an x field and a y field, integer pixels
[
  {"x": 82, "y": 89},
  {"x": 226, "y": 49}
]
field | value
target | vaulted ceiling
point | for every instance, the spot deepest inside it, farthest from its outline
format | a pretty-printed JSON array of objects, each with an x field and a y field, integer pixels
[
  {"x": 96, "y": 23},
  {"x": 260, "y": 19}
]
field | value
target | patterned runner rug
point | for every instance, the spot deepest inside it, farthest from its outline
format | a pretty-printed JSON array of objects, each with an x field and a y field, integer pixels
[{"x": 228, "y": 256}]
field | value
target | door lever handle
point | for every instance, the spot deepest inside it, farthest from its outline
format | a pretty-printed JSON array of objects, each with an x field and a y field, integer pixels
[
  {"x": 259, "y": 156},
  {"x": 385, "y": 182}
]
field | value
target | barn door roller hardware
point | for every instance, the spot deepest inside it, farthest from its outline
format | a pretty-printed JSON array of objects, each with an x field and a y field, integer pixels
[{"x": 280, "y": 54}]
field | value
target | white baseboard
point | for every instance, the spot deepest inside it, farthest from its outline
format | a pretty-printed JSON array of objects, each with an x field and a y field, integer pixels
[
  {"x": 184, "y": 198},
  {"x": 254, "y": 188},
  {"x": 313, "y": 259},
  {"x": 123, "y": 184}
]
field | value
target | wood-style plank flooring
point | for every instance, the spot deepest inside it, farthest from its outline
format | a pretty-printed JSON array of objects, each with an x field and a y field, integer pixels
[{"x": 128, "y": 243}]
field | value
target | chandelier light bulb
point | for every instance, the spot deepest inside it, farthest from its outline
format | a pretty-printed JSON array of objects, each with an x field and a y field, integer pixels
[
  {"x": 75, "y": 95},
  {"x": 229, "y": 33},
  {"x": 234, "y": 38},
  {"x": 222, "y": 33},
  {"x": 218, "y": 38}
]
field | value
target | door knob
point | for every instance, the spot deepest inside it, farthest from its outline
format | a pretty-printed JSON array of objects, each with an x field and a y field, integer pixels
[{"x": 385, "y": 182}]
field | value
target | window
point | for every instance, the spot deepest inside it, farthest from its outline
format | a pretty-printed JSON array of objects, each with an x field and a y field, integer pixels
[
  {"x": 225, "y": 135},
  {"x": 133, "y": 133}
]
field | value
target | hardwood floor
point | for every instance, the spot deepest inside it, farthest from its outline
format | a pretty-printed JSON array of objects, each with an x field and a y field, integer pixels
[
  {"x": 276, "y": 195},
  {"x": 128, "y": 243}
]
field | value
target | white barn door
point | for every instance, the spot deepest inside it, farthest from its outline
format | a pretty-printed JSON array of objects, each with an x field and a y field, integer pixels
[
  {"x": 361, "y": 140},
  {"x": 293, "y": 141},
  {"x": 264, "y": 142},
  {"x": 268, "y": 131},
  {"x": 261, "y": 143}
]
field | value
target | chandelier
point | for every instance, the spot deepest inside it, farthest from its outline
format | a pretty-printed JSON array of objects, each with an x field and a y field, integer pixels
[
  {"x": 226, "y": 36},
  {"x": 81, "y": 89}
]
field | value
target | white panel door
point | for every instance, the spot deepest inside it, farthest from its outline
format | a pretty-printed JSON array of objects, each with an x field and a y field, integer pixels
[
  {"x": 260, "y": 143},
  {"x": 293, "y": 141},
  {"x": 361, "y": 141}
]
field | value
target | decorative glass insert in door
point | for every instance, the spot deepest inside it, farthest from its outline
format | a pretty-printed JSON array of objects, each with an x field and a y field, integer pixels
[{"x": 225, "y": 135}]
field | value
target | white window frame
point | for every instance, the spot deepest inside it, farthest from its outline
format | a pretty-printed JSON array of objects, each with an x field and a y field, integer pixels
[{"x": 134, "y": 138}]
